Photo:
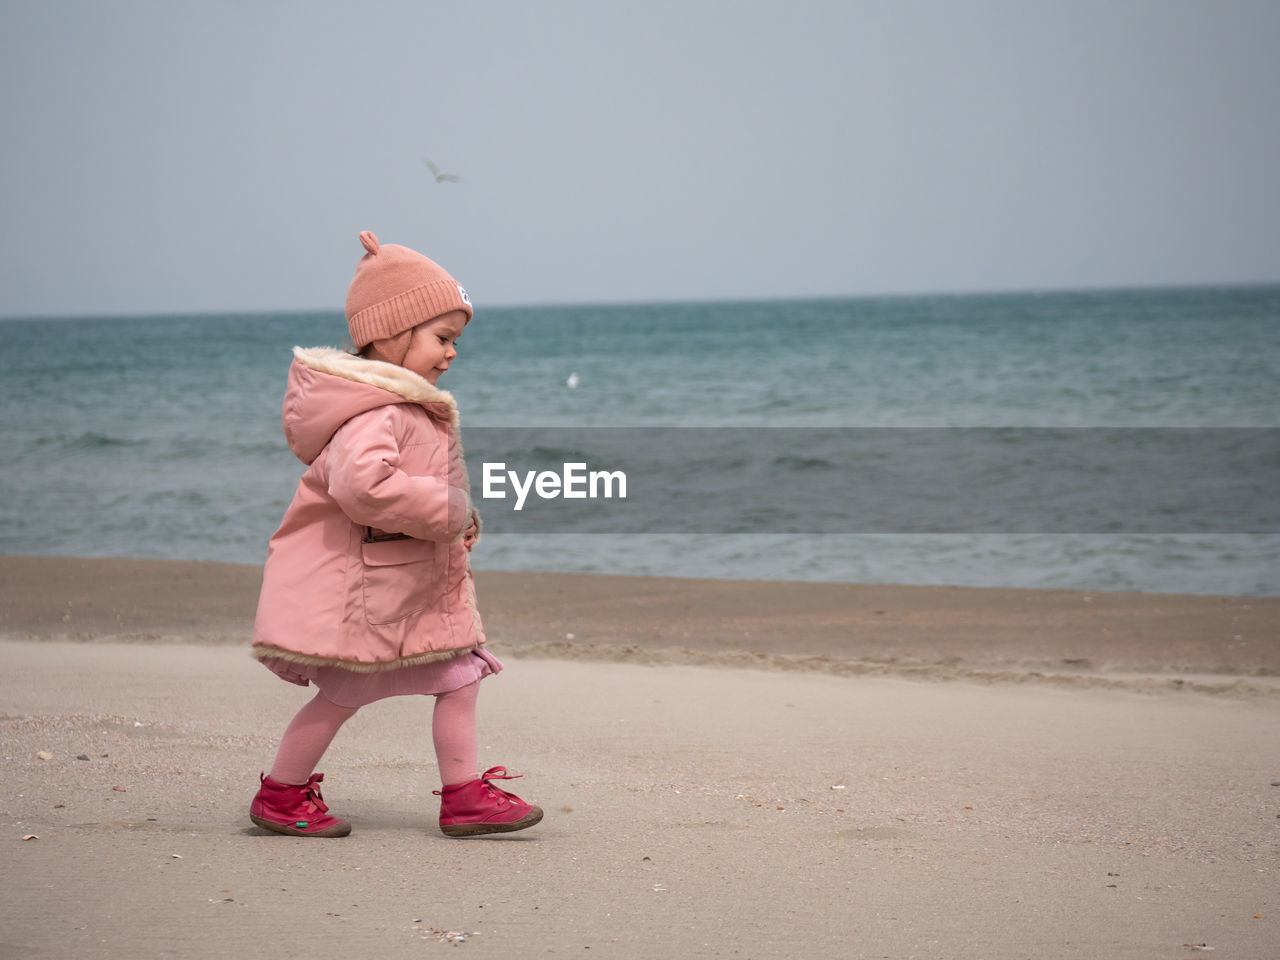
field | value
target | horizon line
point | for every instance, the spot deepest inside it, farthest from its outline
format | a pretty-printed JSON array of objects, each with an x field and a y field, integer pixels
[{"x": 680, "y": 301}]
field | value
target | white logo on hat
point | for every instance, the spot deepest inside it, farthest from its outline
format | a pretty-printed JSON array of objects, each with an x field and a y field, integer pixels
[{"x": 463, "y": 294}]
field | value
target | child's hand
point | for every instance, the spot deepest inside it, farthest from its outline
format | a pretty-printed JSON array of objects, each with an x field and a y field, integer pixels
[{"x": 470, "y": 534}]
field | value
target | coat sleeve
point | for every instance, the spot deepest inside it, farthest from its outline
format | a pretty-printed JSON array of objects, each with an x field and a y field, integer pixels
[{"x": 367, "y": 481}]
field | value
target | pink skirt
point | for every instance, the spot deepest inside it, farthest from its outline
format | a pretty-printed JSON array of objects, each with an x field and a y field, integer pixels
[{"x": 347, "y": 688}]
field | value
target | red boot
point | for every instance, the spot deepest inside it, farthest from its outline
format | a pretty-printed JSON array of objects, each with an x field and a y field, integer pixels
[
  {"x": 299, "y": 811},
  {"x": 477, "y": 806}
]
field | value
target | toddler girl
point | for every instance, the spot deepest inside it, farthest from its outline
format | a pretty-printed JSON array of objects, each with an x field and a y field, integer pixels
[{"x": 367, "y": 589}]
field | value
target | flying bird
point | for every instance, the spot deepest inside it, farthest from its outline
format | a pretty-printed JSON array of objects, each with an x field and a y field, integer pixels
[{"x": 440, "y": 177}]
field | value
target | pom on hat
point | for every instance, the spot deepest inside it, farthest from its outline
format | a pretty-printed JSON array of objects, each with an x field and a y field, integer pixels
[{"x": 395, "y": 289}]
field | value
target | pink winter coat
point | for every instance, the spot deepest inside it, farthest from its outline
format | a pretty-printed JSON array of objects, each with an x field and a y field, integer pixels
[{"x": 368, "y": 570}]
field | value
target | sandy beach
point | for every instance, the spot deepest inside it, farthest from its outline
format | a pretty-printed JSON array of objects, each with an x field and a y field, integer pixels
[{"x": 729, "y": 769}]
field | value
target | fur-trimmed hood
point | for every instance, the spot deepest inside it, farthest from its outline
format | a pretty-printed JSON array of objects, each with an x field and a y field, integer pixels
[{"x": 327, "y": 387}]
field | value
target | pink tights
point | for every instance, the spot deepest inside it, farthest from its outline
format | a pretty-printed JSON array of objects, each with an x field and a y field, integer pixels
[{"x": 453, "y": 732}]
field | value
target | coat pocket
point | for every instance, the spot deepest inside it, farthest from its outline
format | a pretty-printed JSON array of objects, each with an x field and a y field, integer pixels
[{"x": 400, "y": 578}]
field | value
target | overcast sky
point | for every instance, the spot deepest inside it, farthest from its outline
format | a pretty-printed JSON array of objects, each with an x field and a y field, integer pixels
[{"x": 209, "y": 156}]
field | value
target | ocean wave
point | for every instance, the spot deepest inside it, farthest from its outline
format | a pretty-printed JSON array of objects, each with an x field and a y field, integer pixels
[
  {"x": 89, "y": 441},
  {"x": 802, "y": 463}
]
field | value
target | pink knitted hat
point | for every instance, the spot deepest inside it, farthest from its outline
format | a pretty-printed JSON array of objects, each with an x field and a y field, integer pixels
[{"x": 395, "y": 289}]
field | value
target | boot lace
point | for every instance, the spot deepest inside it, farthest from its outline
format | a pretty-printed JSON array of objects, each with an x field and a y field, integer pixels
[
  {"x": 497, "y": 793},
  {"x": 312, "y": 801},
  {"x": 499, "y": 773}
]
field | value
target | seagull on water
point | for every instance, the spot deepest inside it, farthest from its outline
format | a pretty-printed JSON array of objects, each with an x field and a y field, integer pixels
[{"x": 440, "y": 177}]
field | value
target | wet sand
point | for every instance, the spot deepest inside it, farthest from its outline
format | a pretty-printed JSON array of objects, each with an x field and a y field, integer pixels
[{"x": 728, "y": 769}]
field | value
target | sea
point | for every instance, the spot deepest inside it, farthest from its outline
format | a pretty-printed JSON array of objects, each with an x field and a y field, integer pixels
[{"x": 159, "y": 436}]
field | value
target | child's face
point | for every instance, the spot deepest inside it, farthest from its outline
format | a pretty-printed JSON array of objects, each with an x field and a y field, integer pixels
[{"x": 434, "y": 345}]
